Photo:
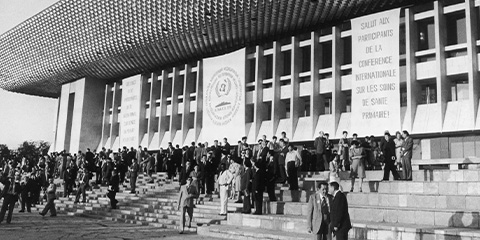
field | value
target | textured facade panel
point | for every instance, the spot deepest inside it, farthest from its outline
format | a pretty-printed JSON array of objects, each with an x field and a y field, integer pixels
[{"x": 113, "y": 39}]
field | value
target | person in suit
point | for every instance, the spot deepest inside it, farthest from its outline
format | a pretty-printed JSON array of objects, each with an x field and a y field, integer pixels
[
  {"x": 318, "y": 213},
  {"x": 388, "y": 151},
  {"x": 226, "y": 146},
  {"x": 185, "y": 203},
  {"x": 319, "y": 145},
  {"x": 339, "y": 218},
  {"x": 83, "y": 185},
  {"x": 281, "y": 173},
  {"x": 113, "y": 189},
  {"x": 247, "y": 178},
  {"x": 10, "y": 194},
  {"x": 28, "y": 187},
  {"x": 51, "y": 196},
  {"x": 225, "y": 177},
  {"x": 258, "y": 186},
  {"x": 271, "y": 176},
  {"x": 407, "y": 149},
  {"x": 134, "y": 168}
]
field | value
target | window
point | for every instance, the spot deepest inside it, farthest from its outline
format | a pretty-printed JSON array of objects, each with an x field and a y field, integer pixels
[
  {"x": 328, "y": 105},
  {"x": 456, "y": 28},
  {"x": 347, "y": 50},
  {"x": 305, "y": 58},
  {"x": 348, "y": 104},
  {"x": 286, "y": 59},
  {"x": 251, "y": 70},
  {"x": 403, "y": 96},
  {"x": 249, "y": 108},
  {"x": 459, "y": 90},
  {"x": 305, "y": 106},
  {"x": 268, "y": 110},
  {"x": 326, "y": 51},
  {"x": 426, "y": 34},
  {"x": 429, "y": 94},
  {"x": 268, "y": 66}
]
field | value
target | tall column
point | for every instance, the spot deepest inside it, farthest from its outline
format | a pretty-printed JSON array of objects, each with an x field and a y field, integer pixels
[
  {"x": 163, "y": 124},
  {"x": 295, "y": 107},
  {"x": 259, "y": 112},
  {"x": 276, "y": 86},
  {"x": 472, "y": 55},
  {"x": 116, "y": 102},
  {"x": 155, "y": 88},
  {"x": 145, "y": 96},
  {"x": 443, "y": 87},
  {"x": 187, "y": 89},
  {"x": 413, "y": 88},
  {"x": 106, "y": 114},
  {"x": 199, "y": 97},
  {"x": 338, "y": 101},
  {"x": 316, "y": 101},
  {"x": 175, "y": 118}
]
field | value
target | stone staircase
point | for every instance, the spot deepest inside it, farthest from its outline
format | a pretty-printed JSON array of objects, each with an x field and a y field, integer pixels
[
  {"x": 154, "y": 204},
  {"x": 437, "y": 204}
]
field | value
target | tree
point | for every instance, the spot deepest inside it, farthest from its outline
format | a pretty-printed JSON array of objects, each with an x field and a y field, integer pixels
[
  {"x": 5, "y": 153},
  {"x": 32, "y": 150}
]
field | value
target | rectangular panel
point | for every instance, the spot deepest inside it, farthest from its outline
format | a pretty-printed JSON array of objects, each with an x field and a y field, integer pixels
[
  {"x": 130, "y": 125},
  {"x": 224, "y": 96},
  {"x": 376, "y": 73}
]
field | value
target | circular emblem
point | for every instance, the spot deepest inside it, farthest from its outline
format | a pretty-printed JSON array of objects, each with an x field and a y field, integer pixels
[{"x": 223, "y": 96}]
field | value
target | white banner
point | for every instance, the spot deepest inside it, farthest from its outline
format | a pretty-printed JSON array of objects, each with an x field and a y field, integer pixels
[
  {"x": 129, "y": 123},
  {"x": 376, "y": 73},
  {"x": 224, "y": 97}
]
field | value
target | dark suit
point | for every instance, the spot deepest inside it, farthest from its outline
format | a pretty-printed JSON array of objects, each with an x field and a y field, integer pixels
[
  {"x": 114, "y": 182},
  {"x": 320, "y": 154},
  {"x": 407, "y": 158},
  {"x": 271, "y": 176},
  {"x": 339, "y": 216},
  {"x": 258, "y": 185},
  {"x": 10, "y": 197},
  {"x": 281, "y": 174},
  {"x": 388, "y": 150},
  {"x": 318, "y": 217}
]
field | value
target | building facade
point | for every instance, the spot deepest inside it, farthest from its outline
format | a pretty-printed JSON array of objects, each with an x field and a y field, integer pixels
[{"x": 301, "y": 83}]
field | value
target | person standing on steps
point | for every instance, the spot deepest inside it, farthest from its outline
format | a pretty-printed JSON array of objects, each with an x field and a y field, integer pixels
[
  {"x": 83, "y": 185},
  {"x": 225, "y": 177},
  {"x": 185, "y": 203},
  {"x": 134, "y": 168},
  {"x": 357, "y": 164},
  {"x": 51, "y": 196},
  {"x": 11, "y": 191},
  {"x": 407, "y": 148},
  {"x": 318, "y": 213},
  {"x": 340, "y": 218},
  {"x": 388, "y": 151},
  {"x": 319, "y": 145},
  {"x": 113, "y": 189}
]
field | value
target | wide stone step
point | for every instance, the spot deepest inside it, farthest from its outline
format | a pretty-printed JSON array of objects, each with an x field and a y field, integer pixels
[
  {"x": 427, "y": 216},
  {"x": 237, "y": 232}
]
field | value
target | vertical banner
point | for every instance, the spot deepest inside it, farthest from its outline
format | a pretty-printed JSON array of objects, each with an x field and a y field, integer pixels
[
  {"x": 129, "y": 124},
  {"x": 224, "y": 97},
  {"x": 376, "y": 73}
]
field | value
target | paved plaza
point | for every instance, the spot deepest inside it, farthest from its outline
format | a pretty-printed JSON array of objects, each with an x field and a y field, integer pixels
[{"x": 33, "y": 226}]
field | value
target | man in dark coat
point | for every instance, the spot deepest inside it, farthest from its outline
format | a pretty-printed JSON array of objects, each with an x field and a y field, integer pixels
[
  {"x": 339, "y": 218},
  {"x": 10, "y": 195},
  {"x": 271, "y": 176},
  {"x": 28, "y": 187},
  {"x": 281, "y": 173},
  {"x": 113, "y": 189},
  {"x": 319, "y": 144},
  {"x": 258, "y": 185},
  {"x": 388, "y": 151}
]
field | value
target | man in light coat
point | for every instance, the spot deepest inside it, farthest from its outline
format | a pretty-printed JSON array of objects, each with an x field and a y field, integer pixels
[{"x": 318, "y": 214}]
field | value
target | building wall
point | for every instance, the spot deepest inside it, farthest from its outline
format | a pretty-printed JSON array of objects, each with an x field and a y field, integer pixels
[{"x": 302, "y": 84}]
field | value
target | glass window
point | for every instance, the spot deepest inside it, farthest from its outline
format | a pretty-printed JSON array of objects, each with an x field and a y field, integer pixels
[
  {"x": 286, "y": 59},
  {"x": 326, "y": 52},
  {"x": 456, "y": 28},
  {"x": 426, "y": 34},
  {"x": 305, "y": 58},
  {"x": 429, "y": 94},
  {"x": 268, "y": 66},
  {"x": 328, "y": 105},
  {"x": 347, "y": 50}
]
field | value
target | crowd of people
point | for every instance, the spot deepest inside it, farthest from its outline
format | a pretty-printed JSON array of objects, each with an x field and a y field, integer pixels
[{"x": 240, "y": 173}]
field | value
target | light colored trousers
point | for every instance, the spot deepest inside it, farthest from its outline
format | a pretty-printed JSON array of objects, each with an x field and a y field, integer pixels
[{"x": 223, "y": 199}]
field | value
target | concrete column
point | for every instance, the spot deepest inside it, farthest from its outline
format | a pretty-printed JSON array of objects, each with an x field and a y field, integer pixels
[
  {"x": 144, "y": 97},
  {"x": 175, "y": 118},
  {"x": 338, "y": 101},
  {"x": 413, "y": 88},
  {"x": 198, "y": 122},
  {"x": 107, "y": 104},
  {"x": 116, "y": 102},
  {"x": 276, "y": 86},
  {"x": 166, "y": 87},
  {"x": 187, "y": 89},
  {"x": 259, "y": 112},
  {"x": 155, "y": 88},
  {"x": 472, "y": 55},
  {"x": 443, "y": 86},
  {"x": 62, "y": 118},
  {"x": 295, "y": 106},
  {"x": 316, "y": 101}
]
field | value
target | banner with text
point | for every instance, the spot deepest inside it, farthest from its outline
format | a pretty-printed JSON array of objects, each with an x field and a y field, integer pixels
[
  {"x": 375, "y": 73},
  {"x": 129, "y": 124},
  {"x": 224, "y": 97}
]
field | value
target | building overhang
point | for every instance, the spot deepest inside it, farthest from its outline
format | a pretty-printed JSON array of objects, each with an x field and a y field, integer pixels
[{"x": 112, "y": 39}]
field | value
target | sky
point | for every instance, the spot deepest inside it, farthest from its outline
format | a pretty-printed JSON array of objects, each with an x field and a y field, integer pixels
[{"x": 24, "y": 117}]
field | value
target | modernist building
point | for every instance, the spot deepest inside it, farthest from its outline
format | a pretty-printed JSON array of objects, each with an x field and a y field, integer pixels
[{"x": 296, "y": 61}]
